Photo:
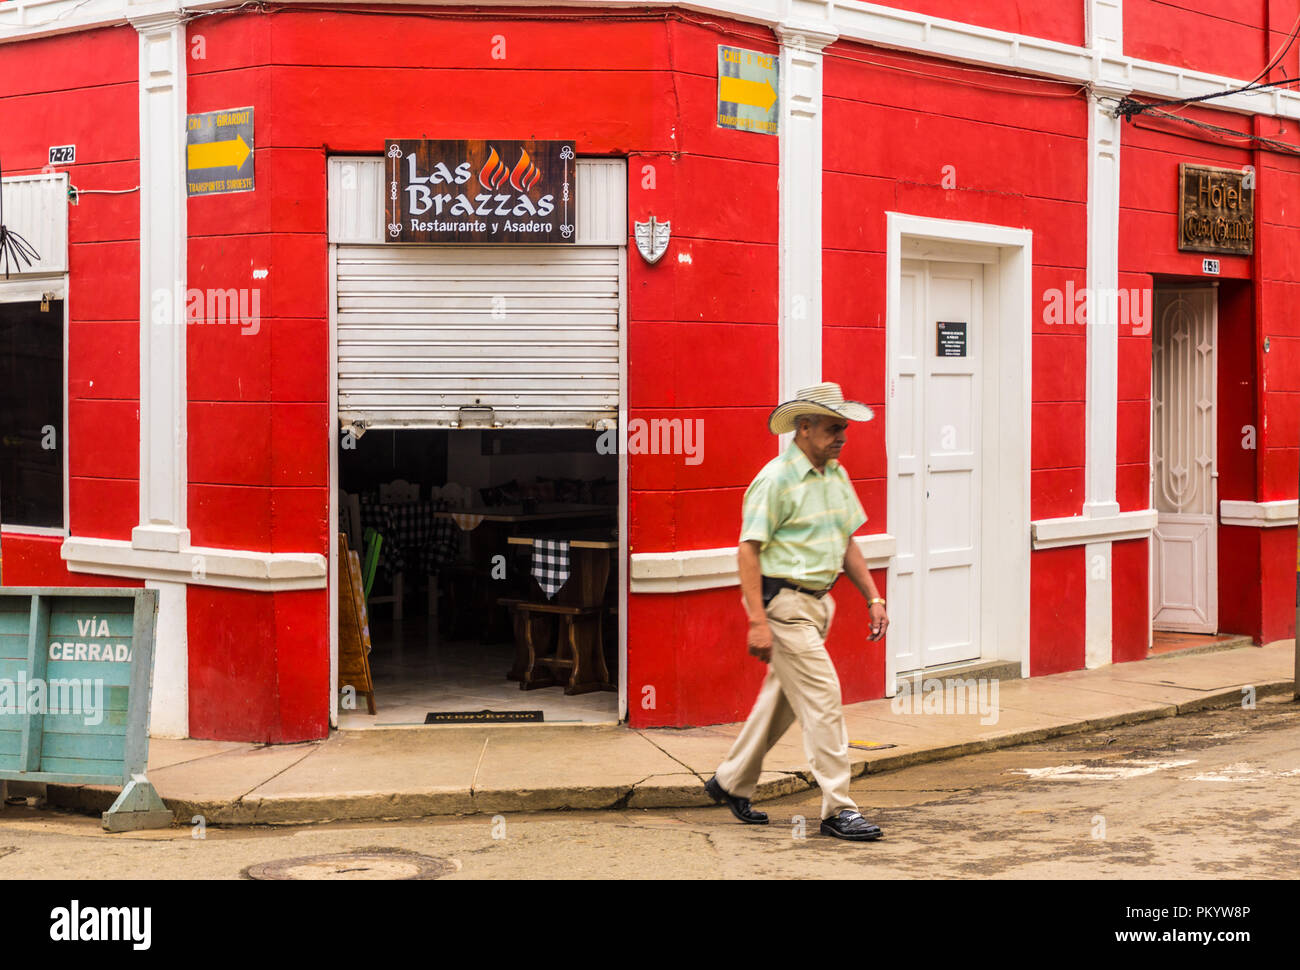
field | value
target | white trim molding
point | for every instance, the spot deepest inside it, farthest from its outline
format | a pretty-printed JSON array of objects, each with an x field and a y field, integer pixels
[
  {"x": 694, "y": 569},
  {"x": 1259, "y": 515},
  {"x": 1081, "y": 530},
  {"x": 32, "y": 289},
  {"x": 198, "y": 565},
  {"x": 867, "y": 23}
]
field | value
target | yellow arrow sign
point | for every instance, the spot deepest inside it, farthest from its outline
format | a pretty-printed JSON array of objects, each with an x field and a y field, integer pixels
[
  {"x": 736, "y": 90},
  {"x": 220, "y": 154}
]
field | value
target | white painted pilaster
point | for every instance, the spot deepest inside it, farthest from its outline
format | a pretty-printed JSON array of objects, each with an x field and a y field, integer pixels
[
  {"x": 1103, "y": 308},
  {"x": 169, "y": 710},
  {"x": 1098, "y": 649},
  {"x": 162, "y": 284},
  {"x": 802, "y": 43},
  {"x": 163, "y": 241},
  {"x": 1105, "y": 28}
]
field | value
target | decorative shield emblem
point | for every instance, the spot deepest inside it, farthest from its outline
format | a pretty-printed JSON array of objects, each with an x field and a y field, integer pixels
[{"x": 652, "y": 239}]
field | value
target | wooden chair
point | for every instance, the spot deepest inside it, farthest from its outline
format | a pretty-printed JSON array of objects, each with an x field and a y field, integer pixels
[
  {"x": 464, "y": 578},
  {"x": 456, "y": 495},
  {"x": 374, "y": 543},
  {"x": 399, "y": 492}
]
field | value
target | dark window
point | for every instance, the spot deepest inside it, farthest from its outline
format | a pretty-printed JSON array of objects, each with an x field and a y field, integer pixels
[{"x": 31, "y": 414}]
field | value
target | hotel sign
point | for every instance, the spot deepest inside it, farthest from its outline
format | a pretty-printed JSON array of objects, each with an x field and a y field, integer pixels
[
  {"x": 494, "y": 191},
  {"x": 1216, "y": 210}
]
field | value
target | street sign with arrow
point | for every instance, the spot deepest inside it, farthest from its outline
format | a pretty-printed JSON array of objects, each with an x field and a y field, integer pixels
[
  {"x": 219, "y": 152},
  {"x": 748, "y": 90}
]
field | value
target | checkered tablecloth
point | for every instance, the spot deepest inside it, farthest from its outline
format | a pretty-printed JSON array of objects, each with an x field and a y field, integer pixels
[
  {"x": 551, "y": 564},
  {"x": 414, "y": 537}
]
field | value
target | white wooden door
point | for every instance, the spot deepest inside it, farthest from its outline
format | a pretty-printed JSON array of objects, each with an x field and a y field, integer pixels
[
  {"x": 1183, "y": 474},
  {"x": 935, "y": 508}
]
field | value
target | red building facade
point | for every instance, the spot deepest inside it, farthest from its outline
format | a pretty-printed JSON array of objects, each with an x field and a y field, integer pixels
[{"x": 919, "y": 141}]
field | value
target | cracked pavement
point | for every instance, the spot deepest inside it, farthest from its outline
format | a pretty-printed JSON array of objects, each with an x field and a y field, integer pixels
[{"x": 1220, "y": 801}]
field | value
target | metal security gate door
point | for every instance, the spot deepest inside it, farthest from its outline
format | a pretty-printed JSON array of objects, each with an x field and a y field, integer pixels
[
  {"x": 437, "y": 336},
  {"x": 1184, "y": 479},
  {"x": 441, "y": 336},
  {"x": 935, "y": 594}
]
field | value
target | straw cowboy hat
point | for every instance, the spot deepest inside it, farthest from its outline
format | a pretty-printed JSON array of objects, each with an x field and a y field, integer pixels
[{"x": 825, "y": 399}]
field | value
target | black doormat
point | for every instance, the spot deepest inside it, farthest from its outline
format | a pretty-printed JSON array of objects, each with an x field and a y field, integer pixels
[{"x": 481, "y": 717}]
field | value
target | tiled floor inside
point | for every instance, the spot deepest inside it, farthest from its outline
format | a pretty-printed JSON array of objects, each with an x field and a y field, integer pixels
[{"x": 415, "y": 672}]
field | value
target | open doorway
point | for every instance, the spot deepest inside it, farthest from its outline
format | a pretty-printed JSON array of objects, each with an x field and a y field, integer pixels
[
  {"x": 478, "y": 389},
  {"x": 495, "y": 582}
]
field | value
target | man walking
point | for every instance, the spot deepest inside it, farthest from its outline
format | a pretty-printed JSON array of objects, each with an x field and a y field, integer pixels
[{"x": 799, "y": 515}]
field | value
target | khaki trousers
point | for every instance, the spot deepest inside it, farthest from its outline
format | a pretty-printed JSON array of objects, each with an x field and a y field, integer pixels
[{"x": 801, "y": 684}]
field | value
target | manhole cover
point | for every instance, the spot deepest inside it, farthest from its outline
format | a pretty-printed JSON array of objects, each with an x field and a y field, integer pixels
[{"x": 378, "y": 863}]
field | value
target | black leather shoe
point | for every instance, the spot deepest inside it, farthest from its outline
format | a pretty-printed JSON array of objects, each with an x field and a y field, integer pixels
[
  {"x": 850, "y": 825},
  {"x": 740, "y": 807}
]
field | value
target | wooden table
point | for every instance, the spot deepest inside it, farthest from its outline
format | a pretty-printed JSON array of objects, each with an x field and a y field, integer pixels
[
  {"x": 578, "y": 608},
  {"x": 489, "y": 539}
]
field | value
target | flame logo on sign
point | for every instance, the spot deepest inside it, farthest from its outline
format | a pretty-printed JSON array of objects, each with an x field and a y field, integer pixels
[
  {"x": 493, "y": 172},
  {"x": 525, "y": 174}
]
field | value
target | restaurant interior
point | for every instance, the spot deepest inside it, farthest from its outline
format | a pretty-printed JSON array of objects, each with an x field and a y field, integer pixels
[{"x": 488, "y": 565}]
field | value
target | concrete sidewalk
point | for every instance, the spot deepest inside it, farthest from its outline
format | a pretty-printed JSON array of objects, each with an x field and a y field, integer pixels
[{"x": 397, "y": 774}]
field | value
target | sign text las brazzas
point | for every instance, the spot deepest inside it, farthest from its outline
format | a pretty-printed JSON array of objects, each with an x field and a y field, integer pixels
[{"x": 480, "y": 191}]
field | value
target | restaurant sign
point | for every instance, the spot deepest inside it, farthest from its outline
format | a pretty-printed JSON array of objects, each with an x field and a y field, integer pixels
[
  {"x": 1216, "y": 210},
  {"x": 480, "y": 191}
]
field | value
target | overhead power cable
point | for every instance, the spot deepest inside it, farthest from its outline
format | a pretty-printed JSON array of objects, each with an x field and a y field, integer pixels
[
  {"x": 1277, "y": 58},
  {"x": 1248, "y": 139}
]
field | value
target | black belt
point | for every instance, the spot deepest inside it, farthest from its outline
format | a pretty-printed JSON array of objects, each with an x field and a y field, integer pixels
[{"x": 774, "y": 584}]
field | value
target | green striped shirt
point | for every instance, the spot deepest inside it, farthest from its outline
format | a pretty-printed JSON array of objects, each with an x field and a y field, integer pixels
[{"x": 803, "y": 518}]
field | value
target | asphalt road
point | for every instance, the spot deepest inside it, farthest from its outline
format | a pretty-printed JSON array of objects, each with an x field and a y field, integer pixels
[{"x": 1207, "y": 795}]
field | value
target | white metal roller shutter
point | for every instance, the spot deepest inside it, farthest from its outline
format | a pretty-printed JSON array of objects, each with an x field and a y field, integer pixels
[
  {"x": 36, "y": 208},
  {"x": 433, "y": 336}
]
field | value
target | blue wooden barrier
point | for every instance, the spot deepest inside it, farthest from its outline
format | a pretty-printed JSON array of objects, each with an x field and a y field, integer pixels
[{"x": 76, "y": 670}]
